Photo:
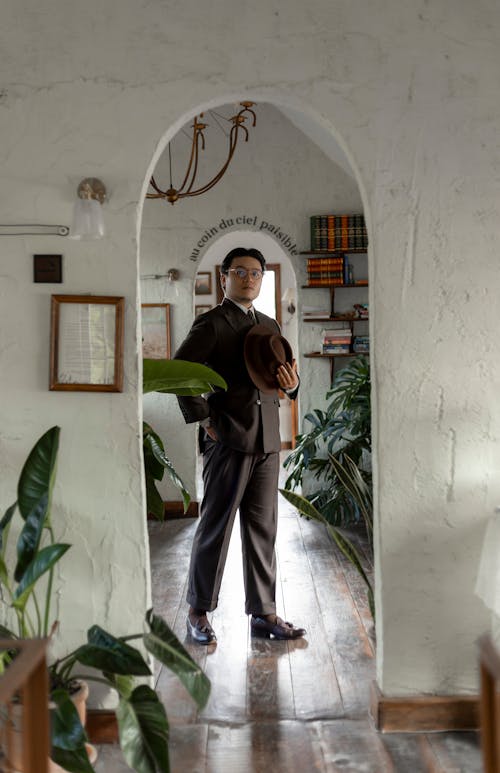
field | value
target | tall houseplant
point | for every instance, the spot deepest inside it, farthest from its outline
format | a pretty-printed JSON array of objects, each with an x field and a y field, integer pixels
[
  {"x": 337, "y": 452},
  {"x": 26, "y": 580},
  {"x": 341, "y": 432}
]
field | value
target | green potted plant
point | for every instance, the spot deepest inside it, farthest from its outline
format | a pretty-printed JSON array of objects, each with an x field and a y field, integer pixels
[
  {"x": 336, "y": 452},
  {"x": 27, "y": 581},
  {"x": 174, "y": 377},
  {"x": 341, "y": 432}
]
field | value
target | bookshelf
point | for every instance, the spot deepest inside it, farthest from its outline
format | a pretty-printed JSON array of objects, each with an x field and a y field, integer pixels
[{"x": 350, "y": 318}]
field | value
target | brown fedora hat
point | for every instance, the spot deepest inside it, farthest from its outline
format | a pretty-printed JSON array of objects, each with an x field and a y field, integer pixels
[{"x": 264, "y": 351}]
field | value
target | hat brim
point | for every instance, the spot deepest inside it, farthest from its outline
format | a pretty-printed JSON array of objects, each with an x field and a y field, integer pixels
[{"x": 264, "y": 351}]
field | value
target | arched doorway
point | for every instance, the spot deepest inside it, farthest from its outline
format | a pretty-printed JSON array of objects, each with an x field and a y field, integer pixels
[{"x": 270, "y": 192}]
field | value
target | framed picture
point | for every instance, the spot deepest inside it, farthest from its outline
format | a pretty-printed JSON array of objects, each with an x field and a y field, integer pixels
[
  {"x": 155, "y": 331},
  {"x": 86, "y": 343},
  {"x": 201, "y": 310},
  {"x": 203, "y": 283},
  {"x": 47, "y": 268}
]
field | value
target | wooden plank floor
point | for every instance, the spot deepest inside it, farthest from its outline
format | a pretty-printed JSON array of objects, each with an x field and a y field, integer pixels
[{"x": 284, "y": 706}]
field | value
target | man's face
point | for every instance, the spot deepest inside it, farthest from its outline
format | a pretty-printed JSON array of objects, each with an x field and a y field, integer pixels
[{"x": 243, "y": 290}]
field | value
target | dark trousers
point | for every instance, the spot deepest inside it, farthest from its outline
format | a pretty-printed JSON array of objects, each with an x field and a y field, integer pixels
[{"x": 232, "y": 480}]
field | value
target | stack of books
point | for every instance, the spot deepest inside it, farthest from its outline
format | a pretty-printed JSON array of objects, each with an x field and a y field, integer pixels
[
  {"x": 311, "y": 312},
  {"x": 324, "y": 272},
  {"x": 338, "y": 232},
  {"x": 337, "y": 341},
  {"x": 361, "y": 344}
]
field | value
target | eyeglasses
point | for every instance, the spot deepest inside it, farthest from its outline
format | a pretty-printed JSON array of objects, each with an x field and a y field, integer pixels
[{"x": 242, "y": 273}]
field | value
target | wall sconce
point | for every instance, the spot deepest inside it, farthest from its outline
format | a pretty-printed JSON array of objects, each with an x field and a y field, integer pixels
[
  {"x": 88, "y": 221},
  {"x": 172, "y": 275},
  {"x": 289, "y": 297}
]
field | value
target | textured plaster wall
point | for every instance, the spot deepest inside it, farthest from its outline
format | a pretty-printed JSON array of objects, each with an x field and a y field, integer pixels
[{"x": 411, "y": 90}]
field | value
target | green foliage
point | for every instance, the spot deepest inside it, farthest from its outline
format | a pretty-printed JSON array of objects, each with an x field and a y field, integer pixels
[
  {"x": 178, "y": 377},
  {"x": 155, "y": 464},
  {"x": 141, "y": 716},
  {"x": 309, "y": 511},
  {"x": 341, "y": 432}
]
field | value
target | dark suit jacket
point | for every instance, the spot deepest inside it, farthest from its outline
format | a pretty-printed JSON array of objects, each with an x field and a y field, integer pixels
[{"x": 243, "y": 417}]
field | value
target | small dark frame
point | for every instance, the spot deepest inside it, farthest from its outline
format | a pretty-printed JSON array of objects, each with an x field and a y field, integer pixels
[
  {"x": 47, "y": 268},
  {"x": 203, "y": 283},
  {"x": 86, "y": 339},
  {"x": 201, "y": 310}
]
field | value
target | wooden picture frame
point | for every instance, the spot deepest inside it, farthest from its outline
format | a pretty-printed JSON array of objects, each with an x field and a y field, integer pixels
[
  {"x": 86, "y": 343},
  {"x": 203, "y": 283},
  {"x": 155, "y": 319},
  {"x": 201, "y": 310}
]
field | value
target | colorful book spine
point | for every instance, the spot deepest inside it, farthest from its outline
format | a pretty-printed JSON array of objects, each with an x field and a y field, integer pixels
[{"x": 338, "y": 232}]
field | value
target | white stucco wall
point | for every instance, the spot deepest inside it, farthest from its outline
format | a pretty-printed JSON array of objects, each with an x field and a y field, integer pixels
[{"x": 412, "y": 92}]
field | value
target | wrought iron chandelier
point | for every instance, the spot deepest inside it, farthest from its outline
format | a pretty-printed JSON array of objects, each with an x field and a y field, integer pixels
[{"x": 198, "y": 139}]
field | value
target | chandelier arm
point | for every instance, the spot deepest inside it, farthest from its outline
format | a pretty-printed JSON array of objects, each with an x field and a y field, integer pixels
[
  {"x": 189, "y": 179},
  {"x": 195, "y": 168},
  {"x": 159, "y": 193},
  {"x": 194, "y": 154},
  {"x": 233, "y": 138}
]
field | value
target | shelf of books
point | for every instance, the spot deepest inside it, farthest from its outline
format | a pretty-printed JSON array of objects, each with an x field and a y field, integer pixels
[{"x": 334, "y": 239}]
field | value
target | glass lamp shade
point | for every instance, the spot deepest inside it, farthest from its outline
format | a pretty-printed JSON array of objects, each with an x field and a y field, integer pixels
[{"x": 88, "y": 222}]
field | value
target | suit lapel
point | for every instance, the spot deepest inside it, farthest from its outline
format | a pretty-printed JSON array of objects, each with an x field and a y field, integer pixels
[{"x": 234, "y": 316}]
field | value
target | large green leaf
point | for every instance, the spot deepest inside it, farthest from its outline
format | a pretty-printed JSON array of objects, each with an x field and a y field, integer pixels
[
  {"x": 29, "y": 539},
  {"x": 106, "y": 653},
  {"x": 154, "y": 501},
  {"x": 143, "y": 728},
  {"x": 161, "y": 457},
  {"x": 44, "y": 561},
  {"x": 166, "y": 647},
  {"x": 37, "y": 475},
  {"x": 4, "y": 527},
  {"x": 151, "y": 464},
  {"x": 179, "y": 377},
  {"x": 67, "y": 735}
]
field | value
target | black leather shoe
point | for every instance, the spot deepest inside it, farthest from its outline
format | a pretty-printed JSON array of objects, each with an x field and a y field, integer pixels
[
  {"x": 278, "y": 630},
  {"x": 201, "y": 631}
]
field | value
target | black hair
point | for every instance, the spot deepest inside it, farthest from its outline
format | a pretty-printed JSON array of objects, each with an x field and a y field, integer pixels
[{"x": 242, "y": 252}]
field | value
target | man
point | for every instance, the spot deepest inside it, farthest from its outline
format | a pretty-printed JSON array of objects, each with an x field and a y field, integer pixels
[{"x": 239, "y": 439}]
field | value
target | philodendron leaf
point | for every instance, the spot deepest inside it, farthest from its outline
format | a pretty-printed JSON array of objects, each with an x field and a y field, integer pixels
[
  {"x": 151, "y": 464},
  {"x": 29, "y": 539},
  {"x": 143, "y": 728},
  {"x": 154, "y": 501},
  {"x": 161, "y": 457},
  {"x": 67, "y": 735},
  {"x": 4, "y": 527},
  {"x": 165, "y": 646},
  {"x": 179, "y": 377},
  {"x": 44, "y": 561},
  {"x": 37, "y": 475},
  {"x": 106, "y": 653}
]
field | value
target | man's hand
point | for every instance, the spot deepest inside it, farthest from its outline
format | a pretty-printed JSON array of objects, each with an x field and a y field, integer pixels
[
  {"x": 211, "y": 433},
  {"x": 287, "y": 376}
]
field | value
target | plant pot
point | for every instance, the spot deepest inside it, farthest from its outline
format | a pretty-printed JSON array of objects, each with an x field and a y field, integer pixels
[{"x": 15, "y": 758}]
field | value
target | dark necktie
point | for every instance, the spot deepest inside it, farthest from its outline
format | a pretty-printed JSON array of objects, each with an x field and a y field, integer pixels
[{"x": 251, "y": 316}]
